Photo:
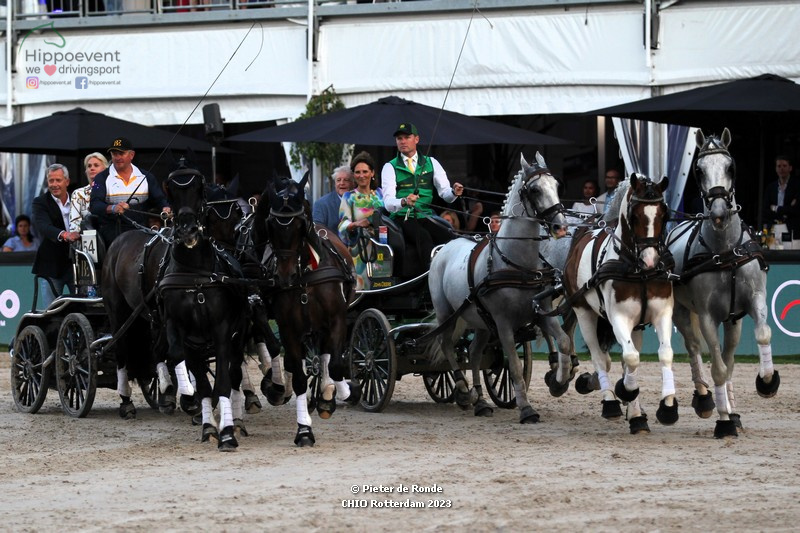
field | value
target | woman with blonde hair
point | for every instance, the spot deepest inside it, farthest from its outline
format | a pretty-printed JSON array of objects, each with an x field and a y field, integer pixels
[{"x": 94, "y": 164}]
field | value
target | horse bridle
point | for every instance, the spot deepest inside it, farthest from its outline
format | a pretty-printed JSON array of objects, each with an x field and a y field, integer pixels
[
  {"x": 641, "y": 243},
  {"x": 532, "y": 175},
  {"x": 173, "y": 180},
  {"x": 719, "y": 191}
]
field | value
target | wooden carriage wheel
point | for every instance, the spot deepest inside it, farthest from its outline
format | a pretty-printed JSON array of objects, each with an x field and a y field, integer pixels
[
  {"x": 373, "y": 359},
  {"x": 30, "y": 371},
  {"x": 497, "y": 378},
  {"x": 76, "y": 367}
]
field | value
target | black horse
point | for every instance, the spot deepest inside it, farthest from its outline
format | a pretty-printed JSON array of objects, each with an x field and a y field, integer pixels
[{"x": 314, "y": 284}]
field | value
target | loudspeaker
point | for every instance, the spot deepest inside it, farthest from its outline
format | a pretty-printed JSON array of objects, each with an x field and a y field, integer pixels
[{"x": 213, "y": 120}]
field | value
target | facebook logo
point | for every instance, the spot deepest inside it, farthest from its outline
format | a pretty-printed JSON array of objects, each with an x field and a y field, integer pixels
[{"x": 81, "y": 82}]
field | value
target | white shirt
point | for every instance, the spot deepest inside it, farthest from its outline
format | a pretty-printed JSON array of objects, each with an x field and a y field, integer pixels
[
  {"x": 65, "y": 207},
  {"x": 389, "y": 184}
]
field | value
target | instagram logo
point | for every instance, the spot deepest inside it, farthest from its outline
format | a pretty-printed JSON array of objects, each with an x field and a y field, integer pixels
[
  {"x": 81, "y": 82},
  {"x": 32, "y": 82}
]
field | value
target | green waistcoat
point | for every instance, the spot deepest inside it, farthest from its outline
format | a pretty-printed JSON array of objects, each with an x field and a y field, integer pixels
[{"x": 422, "y": 180}]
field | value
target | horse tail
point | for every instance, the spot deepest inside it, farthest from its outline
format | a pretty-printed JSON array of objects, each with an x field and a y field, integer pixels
[{"x": 605, "y": 334}]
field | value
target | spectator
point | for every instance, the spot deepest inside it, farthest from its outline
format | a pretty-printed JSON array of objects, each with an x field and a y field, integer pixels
[
  {"x": 495, "y": 221},
  {"x": 612, "y": 180},
  {"x": 590, "y": 191},
  {"x": 408, "y": 184},
  {"x": 782, "y": 198},
  {"x": 23, "y": 240},
  {"x": 120, "y": 187},
  {"x": 326, "y": 209},
  {"x": 357, "y": 212},
  {"x": 93, "y": 164},
  {"x": 51, "y": 218},
  {"x": 5, "y": 222},
  {"x": 451, "y": 216}
]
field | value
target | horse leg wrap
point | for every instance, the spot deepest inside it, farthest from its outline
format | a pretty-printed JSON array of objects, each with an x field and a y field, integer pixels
[
  {"x": 237, "y": 404},
  {"x": 721, "y": 392},
  {"x": 602, "y": 378},
  {"x": 765, "y": 361},
  {"x": 164, "y": 379},
  {"x": 208, "y": 412},
  {"x": 303, "y": 418},
  {"x": 263, "y": 357},
  {"x": 246, "y": 383},
  {"x": 564, "y": 373},
  {"x": 225, "y": 412},
  {"x": 631, "y": 380},
  {"x": 123, "y": 386},
  {"x": 342, "y": 390},
  {"x": 277, "y": 371},
  {"x": 184, "y": 384},
  {"x": 667, "y": 382}
]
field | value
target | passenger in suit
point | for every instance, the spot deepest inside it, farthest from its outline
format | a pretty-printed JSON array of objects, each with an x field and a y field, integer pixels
[
  {"x": 782, "y": 198},
  {"x": 51, "y": 220},
  {"x": 325, "y": 211}
]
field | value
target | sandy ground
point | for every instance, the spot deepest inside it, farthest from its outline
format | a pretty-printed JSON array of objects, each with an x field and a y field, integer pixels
[{"x": 573, "y": 471}]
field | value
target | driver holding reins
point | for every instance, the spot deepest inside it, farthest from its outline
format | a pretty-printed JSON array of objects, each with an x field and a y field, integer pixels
[{"x": 124, "y": 189}]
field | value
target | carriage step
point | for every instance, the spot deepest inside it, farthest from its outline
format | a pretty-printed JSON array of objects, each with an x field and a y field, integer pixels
[{"x": 100, "y": 342}]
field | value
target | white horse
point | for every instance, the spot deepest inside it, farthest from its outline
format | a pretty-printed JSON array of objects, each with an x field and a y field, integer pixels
[
  {"x": 490, "y": 286},
  {"x": 723, "y": 277},
  {"x": 618, "y": 280}
]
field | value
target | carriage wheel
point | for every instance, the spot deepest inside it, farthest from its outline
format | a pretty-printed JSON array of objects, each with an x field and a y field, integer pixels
[
  {"x": 373, "y": 360},
  {"x": 498, "y": 377},
  {"x": 76, "y": 368},
  {"x": 313, "y": 366},
  {"x": 30, "y": 376},
  {"x": 441, "y": 386},
  {"x": 149, "y": 387}
]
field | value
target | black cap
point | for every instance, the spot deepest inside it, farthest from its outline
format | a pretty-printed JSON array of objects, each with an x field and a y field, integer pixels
[
  {"x": 406, "y": 128},
  {"x": 120, "y": 144}
]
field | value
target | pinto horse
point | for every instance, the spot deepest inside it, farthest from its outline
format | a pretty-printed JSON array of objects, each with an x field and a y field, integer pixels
[
  {"x": 490, "y": 287},
  {"x": 620, "y": 280},
  {"x": 722, "y": 278},
  {"x": 314, "y": 285}
]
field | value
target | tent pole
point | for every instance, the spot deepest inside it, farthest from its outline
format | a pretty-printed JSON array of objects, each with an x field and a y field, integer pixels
[{"x": 761, "y": 162}]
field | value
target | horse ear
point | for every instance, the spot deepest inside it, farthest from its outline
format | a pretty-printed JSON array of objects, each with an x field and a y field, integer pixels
[
  {"x": 540, "y": 160},
  {"x": 633, "y": 179},
  {"x": 522, "y": 162},
  {"x": 726, "y": 137},
  {"x": 303, "y": 181},
  {"x": 699, "y": 138},
  {"x": 664, "y": 183}
]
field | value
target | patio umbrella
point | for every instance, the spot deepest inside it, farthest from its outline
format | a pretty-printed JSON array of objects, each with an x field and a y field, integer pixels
[
  {"x": 78, "y": 131},
  {"x": 373, "y": 124},
  {"x": 764, "y": 102}
]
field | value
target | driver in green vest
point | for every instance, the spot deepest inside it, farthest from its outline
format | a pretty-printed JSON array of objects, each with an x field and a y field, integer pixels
[{"x": 408, "y": 181}]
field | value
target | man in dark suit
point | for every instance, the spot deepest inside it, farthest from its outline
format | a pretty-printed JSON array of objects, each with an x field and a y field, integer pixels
[
  {"x": 51, "y": 219},
  {"x": 782, "y": 198}
]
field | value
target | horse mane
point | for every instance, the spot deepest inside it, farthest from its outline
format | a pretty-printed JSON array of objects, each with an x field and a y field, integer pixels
[
  {"x": 513, "y": 192},
  {"x": 613, "y": 210}
]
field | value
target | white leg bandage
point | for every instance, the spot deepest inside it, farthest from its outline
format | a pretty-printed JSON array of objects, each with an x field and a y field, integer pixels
[
  {"x": 184, "y": 384},
  {"x": 721, "y": 392},
  {"x": 602, "y": 378},
  {"x": 237, "y": 404},
  {"x": 302, "y": 410},
  {"x": 731, "y": 397},
  {"x": 123, "y": 386},
  {"x": 225, "y": 412},
  {"x": 765, "y": 357},
  {"x": 342, "y": 389},
  {"x": 246, "y": 385},
  {"x": 208, "y": 412},
  {"x": 263, "y": 357},
  {"x": 326, "y": 376},
  {"x": 630, "y": 379},
  {"x": 667, "y": 382},
  {"x": 164, "y": 379},
  {"x": 277, "y": 371}
]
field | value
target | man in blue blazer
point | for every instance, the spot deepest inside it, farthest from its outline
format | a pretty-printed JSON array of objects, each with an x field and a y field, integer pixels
[{"x": 326, "y": 210}]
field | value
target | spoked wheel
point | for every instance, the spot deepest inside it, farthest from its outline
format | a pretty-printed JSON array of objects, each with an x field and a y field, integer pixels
[
  {"x": 76, "y": 370},
  {"x": 30, "y": 376},
  {"x": 498, "y": 377},
  {"x": 373, "y": 360},
  {"x": 150, "y": 391},
  {"x": 313, "y": 364},
  {"x": 441, "y": 386}
]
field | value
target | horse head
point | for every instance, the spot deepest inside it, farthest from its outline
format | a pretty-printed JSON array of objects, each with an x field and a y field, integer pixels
[
  {"x": 186, "y": 194},
  {"x": 222, "y": 219},
  {"x": 288, "y": 226},
  {"x": 540, "y": 191},
  {"x": 643, "y": 220},
  {"x": 715, "y": 172}
]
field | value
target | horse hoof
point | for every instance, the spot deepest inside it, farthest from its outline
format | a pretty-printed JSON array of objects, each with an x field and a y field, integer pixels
[
  {"x": 251, "y": 402},
  {"x": 209, "y": 432},
  {"x": 725, "y": 428},
  {"x": 768, "y": 390},
  {"x": 326, "y": 406},
  {"x": 703, "y": 404},
  {"x": 463, "y": 399},
  {"x": 274, "y": 392},
  {"x": 127, "y": 411},
  {"x": 666, "y": 414},
  {"x": 197, "y": 420},
  {"x": 304, "y": 437},
  {"x": 557, "y": 389},
  {"x": 227, "y": 440},
  {"x": 624, "y": 394},
  {"x": 611, "y": 409},
  {"x": 737, "y": 420},
  {"x": 238, "y": 426},
  {"x": 582, "y": 384},
  {"x": 167, "y": 401},
  {"x": 638, "y": 424},
  {"x": 482, "y": 408},
  {"x": 190, "y": 405},
  {"x": 527, "y": 415},
  {"x": 355, "y": 393}
]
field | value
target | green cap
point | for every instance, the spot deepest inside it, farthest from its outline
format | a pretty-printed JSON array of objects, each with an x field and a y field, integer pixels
[{"x": 406, "y": 128}]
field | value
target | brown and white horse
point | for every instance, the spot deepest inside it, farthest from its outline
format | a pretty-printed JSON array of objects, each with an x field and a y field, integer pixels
[{"x": 617, "y": 281}]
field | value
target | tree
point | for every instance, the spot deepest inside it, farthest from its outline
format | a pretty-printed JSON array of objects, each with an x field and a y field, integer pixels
[{"x": 327, "y": 155}]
